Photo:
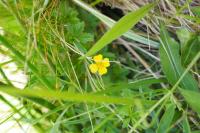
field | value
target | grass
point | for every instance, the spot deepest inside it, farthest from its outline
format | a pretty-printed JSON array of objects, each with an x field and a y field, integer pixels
[{"x": 152, "y": 84}]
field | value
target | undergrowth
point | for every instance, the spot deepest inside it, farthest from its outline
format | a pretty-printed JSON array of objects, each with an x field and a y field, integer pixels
[{"x": 89, "y": 73}]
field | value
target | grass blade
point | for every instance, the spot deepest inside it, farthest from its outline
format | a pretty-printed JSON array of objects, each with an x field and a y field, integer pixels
[
  {"x": 110, "y": 23},
  {"x": 65, "y": 95},
  {"x": 166, "y": 119},
  {"x": 186, "y": 125},
  {"x": 122, "y": 26},
  {"x": 5, "y": 77}
]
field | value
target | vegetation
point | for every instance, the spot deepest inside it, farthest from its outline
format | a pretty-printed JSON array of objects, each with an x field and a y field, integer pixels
[{"x": 133, "y": 67}]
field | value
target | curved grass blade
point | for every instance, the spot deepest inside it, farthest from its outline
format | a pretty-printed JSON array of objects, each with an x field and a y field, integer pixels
[{"x": 122, "y": 26}]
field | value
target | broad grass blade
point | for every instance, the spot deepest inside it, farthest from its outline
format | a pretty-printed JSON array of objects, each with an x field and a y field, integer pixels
[{"x": 122, "y": 26}]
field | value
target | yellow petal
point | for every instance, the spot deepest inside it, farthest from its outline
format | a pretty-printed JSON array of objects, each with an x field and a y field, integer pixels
[
  {"x": 102, "y": 70},
  {"x": 93, "y": 68},
  {"x": 106, "y": 62},
  {"x": 98, "y": 58}
]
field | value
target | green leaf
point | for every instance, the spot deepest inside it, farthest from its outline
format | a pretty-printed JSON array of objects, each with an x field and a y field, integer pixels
[
  {"x": 8, "y": 21},
  {"x": 65, "y": 95},
  {"x": 190, "y": 50},
  {"x": 142, "y": 82},
  {"x": 186, "y": 125},
  {"x": 183, "y": 35},
  {"x": 166, "y": 119},
  {"x": 98, "y": 126},
  {"x": 54, "y": 110},
  {"x": 110, "y": 23},
  {"x": 122, "y": 26},
  {"x": 197, "y": 131},
  {"x": 5, "y": 77},
  {"x": 41, "y": 102},
  {"x": 171, "y": 62},
  {"x": 192, "y": 98},
  {"x": 56, "y": 126}
]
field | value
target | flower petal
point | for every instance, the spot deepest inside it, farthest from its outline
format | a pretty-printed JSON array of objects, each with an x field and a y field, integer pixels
[
  {"x": 98, "y": 58},
  {"x": 102, "y": 70},
  {"x": 106, "y": 62},
  {"x": 93, "y": 68}
]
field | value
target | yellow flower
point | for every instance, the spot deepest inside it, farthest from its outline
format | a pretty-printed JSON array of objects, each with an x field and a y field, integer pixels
[{"x": 100, "y": 65}]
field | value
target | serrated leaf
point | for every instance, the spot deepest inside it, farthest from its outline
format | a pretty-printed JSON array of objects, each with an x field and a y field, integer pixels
[
  {"x": 166, "y": 119},
  {"x": 122, "y": 26},
  {"x": 171, "y": 62}
]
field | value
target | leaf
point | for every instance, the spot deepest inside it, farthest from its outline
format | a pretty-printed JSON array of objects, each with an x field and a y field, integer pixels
[
  {"x": 8, "y": 21},
  {"x": 100, "y": 125},
  {"x": 166, "y": 119},
  {"x": 197, "y": 131},
  {"x": 54, "y": 110},
  {"x": 65, "y": 95},
  {"x": 183, "y": 35},
  {"x": 171, "y": 62},
  {"x": 192, "y": 98},
  {"x": 5, "y": 76},
  {"x": 186, "y": 125},
  {"x": 110, "y": 22},
  {"x": 191, "y": 48},
  {"x": 142, "y": 82},
  {"x": 122, "y": 26},
  {"x": 41, "y": 102},
  {"x": 56, "y": 126}
]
